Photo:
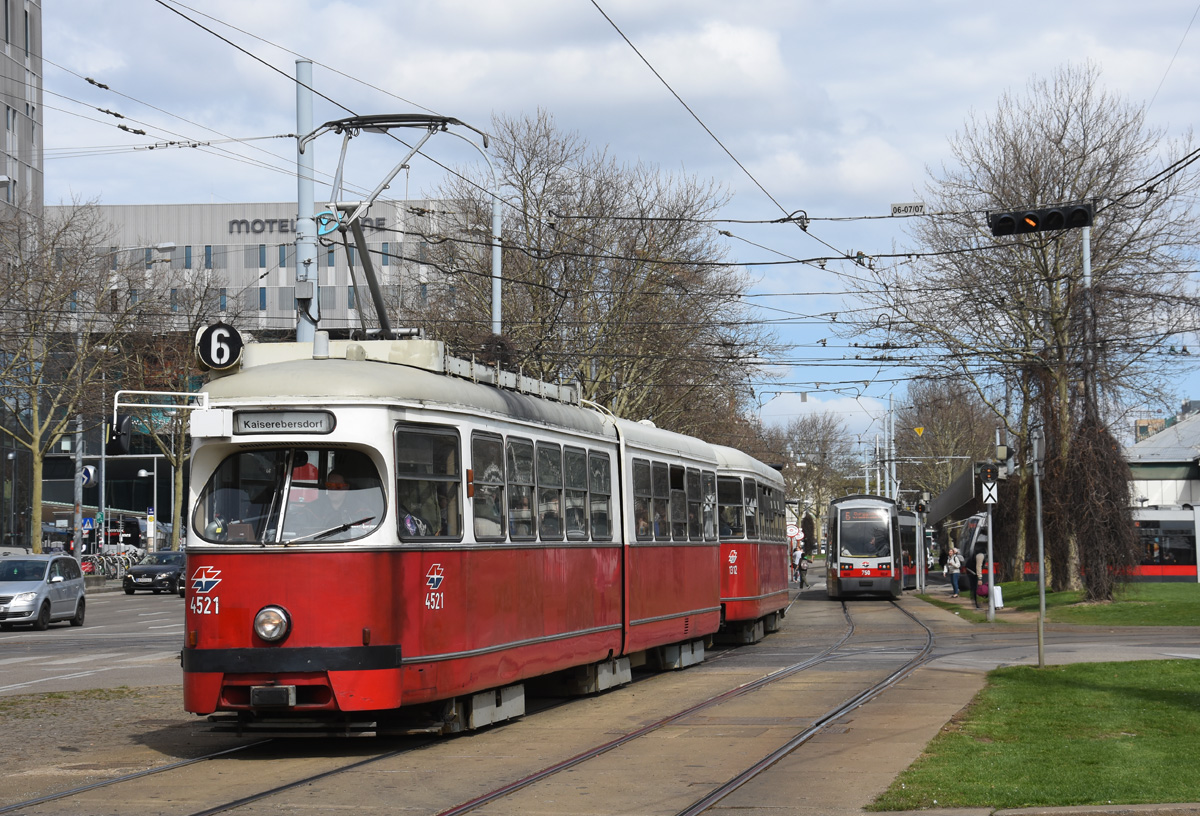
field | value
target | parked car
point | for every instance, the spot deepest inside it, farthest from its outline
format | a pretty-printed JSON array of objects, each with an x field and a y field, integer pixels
[
  {"x": 38, "y": 589},
  {"x": 156, "y": 572}
]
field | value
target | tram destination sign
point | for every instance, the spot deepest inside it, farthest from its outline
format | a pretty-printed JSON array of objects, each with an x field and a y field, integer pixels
[{"x": 279, "y": 422}]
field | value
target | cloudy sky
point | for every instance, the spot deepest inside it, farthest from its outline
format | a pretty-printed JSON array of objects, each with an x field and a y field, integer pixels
[{"x": 838, "y": 109}]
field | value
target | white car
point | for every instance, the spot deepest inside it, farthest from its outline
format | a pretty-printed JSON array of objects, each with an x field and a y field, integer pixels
[{"x": 39, "y": 589}]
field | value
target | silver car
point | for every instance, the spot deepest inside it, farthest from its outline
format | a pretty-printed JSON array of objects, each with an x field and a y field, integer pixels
[{"x": 38, "y": 589}]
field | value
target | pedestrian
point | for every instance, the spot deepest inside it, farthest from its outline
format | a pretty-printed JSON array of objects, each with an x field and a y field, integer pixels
[
  {"x": 797, "y": 557},
  {"x": 953, "y": 564},
  {"x": 804, "y": 563}
]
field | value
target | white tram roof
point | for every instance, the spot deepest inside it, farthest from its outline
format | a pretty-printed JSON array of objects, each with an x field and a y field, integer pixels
[
  {"x": 862, "y": 499},
  {"x": 416, "y": 370},
  {"x": 734, "y": 459},
  {"x": 405, "y": 371}
]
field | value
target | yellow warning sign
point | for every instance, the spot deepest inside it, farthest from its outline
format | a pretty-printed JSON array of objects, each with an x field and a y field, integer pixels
[{"x": 919, "y": 431}]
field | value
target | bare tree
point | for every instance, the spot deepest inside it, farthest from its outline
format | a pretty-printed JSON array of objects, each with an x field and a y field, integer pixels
[
  {"x": 956, "y": 428},
  {"x": 819, "y": 463},
  {"x": 159, "y": 355},
  {"x": 1008, "y": 315},
  {"x": 611, "y": 280},
  {"x": 67, "y": 301}
]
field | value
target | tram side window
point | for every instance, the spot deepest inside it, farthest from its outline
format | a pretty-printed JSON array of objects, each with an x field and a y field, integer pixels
[
  {"x": 1180, "y": 544},
  {"x": 487, "y": 476},
  {"x": 730, "y": 507},
  {"x": 708, "y": 509},
  {"x": 575, "y": 483},
  {"x": 1167, "y": 543},
  {"x": 643, "y": 502},
  {"x": 661, "y": 483},
  {"x": 600, "y": 481},
  {"x": 428, "y": 483},
  {"x": 520, "y": 490},
  {"x": 768, "y": 518},
  {"x": 692, "y": 481},
  {"x": 752, "y": 509},
  {"x": 679, "y": 506},
  {"x": 550, "y": 488}
]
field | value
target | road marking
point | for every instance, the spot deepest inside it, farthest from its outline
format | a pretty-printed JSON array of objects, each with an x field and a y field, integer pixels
[
  {"x": 42, "y": 680},
  {"x": 151, "y": 658},
  {"x": 6, "y": 661},
  {"x": 70, "y": 660},
  {"x": 168, "y": 626}
]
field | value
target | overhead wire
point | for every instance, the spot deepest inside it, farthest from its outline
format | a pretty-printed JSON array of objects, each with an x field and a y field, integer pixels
[{"x": 839, "y": 257}]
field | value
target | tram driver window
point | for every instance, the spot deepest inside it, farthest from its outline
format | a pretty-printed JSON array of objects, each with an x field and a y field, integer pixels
[
  {"x": 291, "y": 495},
  {"x": 428, "y": 484}
]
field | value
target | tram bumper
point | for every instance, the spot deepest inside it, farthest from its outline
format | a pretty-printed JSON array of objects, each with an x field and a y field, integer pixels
[{"x": 299, "y": 680}]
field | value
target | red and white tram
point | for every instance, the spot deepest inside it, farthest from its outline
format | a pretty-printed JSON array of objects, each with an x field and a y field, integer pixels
[
  {"x": 754, "y": 549},
  {"x": 377, "y": 543},
  {"x": 864, "y": 547}
]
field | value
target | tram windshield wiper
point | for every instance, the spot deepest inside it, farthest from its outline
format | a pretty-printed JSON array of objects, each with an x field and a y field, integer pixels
[{"x": 341, "y": 528}]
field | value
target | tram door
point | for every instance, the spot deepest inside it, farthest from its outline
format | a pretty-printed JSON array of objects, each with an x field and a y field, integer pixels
[{"x": 909, "y": 563}]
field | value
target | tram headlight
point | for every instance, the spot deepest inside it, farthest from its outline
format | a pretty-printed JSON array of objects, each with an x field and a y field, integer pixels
[{"x": 272, "y": 623}]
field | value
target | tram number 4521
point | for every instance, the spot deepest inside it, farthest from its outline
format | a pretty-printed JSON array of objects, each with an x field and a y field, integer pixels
[
  {"x": 205, "y": 604},
  {"x": 434, "y": 600}
]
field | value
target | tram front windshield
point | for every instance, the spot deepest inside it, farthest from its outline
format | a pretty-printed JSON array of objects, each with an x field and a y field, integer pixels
[
  {"x": 863, "y": 532},
  {"x": 291, "y": 495}
]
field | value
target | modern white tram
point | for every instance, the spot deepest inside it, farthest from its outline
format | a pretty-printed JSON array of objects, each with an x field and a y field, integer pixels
[{"x": 864, "y": 548}]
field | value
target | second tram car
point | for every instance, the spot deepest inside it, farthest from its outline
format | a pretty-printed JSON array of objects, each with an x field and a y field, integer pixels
[
  {"x": 754, "y": 549},
  {"x": 379, "y": 546},
  {"x": 864, "y": 548},
  {"x": 910, "y": 560}
]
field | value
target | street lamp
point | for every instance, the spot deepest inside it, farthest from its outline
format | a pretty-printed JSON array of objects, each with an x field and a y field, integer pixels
[
  {"x": 12, "y": 496},
  {"x": 152, "y": 514}
]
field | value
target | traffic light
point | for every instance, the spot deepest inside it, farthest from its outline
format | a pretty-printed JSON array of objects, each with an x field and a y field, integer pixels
[
  {"x": 119, "y": 436},
  {"x": 989, "y": 473},
  {"x": 1017, "y": 222}
]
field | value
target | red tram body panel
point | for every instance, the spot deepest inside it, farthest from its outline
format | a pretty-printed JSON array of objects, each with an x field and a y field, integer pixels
[
  {"x": 754, "y": 550},
  {"x": 369, "y": 534}
]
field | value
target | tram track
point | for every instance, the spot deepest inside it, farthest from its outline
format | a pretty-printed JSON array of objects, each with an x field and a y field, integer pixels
[
  {"x": 840, "y": 648},
  {"x": 52, "y": 797},
  {"x": 706, "y": 802}
]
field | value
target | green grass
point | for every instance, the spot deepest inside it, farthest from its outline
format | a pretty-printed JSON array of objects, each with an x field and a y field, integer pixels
[
  {"x": 1083, "y": 734},
  {"x": 1142, "y": 604}
]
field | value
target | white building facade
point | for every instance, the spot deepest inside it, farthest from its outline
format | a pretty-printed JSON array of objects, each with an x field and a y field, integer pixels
[
  {"x": 250, "y": 249},
  {"x": 21, "y": 179}
]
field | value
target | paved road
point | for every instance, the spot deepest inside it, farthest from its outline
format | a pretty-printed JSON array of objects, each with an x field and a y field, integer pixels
[{"x": 127, "y": 640}]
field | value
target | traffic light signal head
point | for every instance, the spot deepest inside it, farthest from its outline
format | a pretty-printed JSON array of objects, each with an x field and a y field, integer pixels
[
  {"x": 120, "y": 434},
  {"x": 989, "y": 473},
  {"x": 1018, "y": 222}
]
